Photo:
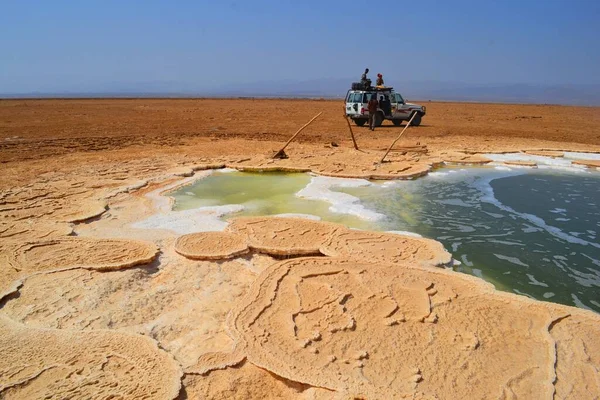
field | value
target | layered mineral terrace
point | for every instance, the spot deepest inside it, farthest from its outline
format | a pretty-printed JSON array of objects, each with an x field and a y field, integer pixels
[{"x": 270, "y": 307}]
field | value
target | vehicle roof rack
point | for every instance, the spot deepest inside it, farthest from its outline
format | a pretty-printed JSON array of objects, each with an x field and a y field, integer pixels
[{"x": 376, "y": 89}]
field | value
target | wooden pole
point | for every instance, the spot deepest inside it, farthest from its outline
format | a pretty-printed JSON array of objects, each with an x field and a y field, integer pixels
[
  {"x": 280, "y": 152},
  {"x": 394, "y": 142},
  {"x": 351, "y": 133}
]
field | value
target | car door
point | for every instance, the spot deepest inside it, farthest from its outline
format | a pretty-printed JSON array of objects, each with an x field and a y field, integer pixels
[
  {"x": 402, "y": 110},
  {"x": 353, "y": 103},
  {"x": 394, "y": 101}
]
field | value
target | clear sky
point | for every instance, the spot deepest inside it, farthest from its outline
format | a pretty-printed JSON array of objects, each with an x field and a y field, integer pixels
[{"x": 95, "y": 45}]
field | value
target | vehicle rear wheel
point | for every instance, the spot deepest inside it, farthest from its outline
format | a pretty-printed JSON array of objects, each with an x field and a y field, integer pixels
[
  {"x": 378, "y": 119},
  {"x": 417, "y": 120},
  {"x": 360, "y": 122},
  {"x": 397, "y": 122}
]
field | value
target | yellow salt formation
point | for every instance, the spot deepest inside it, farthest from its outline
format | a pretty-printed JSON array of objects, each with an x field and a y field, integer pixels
[
  {"x": 211, "y": 245},
  {"x": 75, "y": 252},
  {"x": 98, "y": 364},
  {"x": 285, "y": 236},
  {"x": 374, "y": 330},
  {"x": 356, "y": 314}
]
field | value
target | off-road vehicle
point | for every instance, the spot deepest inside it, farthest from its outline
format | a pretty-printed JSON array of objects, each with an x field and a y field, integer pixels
[{"x": 391, "y": 106}]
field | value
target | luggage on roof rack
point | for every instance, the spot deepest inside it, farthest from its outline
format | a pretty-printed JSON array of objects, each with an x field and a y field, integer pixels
[
  {"x": 358, "y": 86},
  {"x": 362, "y": 86}
]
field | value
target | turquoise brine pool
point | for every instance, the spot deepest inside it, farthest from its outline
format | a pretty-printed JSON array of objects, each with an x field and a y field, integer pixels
[{"x": 531, "y": 232}]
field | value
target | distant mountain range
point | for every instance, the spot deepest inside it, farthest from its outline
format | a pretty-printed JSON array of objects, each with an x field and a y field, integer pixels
[{"x": 568, "y": 94}]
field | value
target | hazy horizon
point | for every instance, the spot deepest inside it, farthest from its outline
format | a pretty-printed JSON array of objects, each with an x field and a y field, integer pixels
[{"x": 583, "y": 95}]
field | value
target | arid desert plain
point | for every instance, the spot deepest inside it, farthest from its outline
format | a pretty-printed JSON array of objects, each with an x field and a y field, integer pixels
[{"x": 98, "y": 303}]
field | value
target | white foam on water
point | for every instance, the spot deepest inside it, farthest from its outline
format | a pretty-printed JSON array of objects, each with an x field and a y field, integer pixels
[
  {"x": 405, "y": 233},
  {"x": 586, "y": 279},
  {"x": 494, "y": 215},
  {"x": 466, "y": 261},
  {"x": 547, "y": 295},
  {"x": 477, "y": 272},
  {"x": 560, "y": 265},
  {"x": 506, "y": 242},
  {"x": 580, "y": 169},
  {"x": 387, "y": 184},
  {"x": 203, "y": 219},
  {"x": 437, "y": 174},
  {"x": 574, "y": 155},
  {"x": 488, "y": 196},
  {"x": 299, "y": 215},
  {"x": 454, "y": 202},
  {"x": 578, "y": 302},
  {"x": 319, "y": 188},
  {"x": 593, "y": 260},
  {"x": 517, "y": 291},
  {"x": 447, "y": 174},
  {"x": 562, "y": 163},
  {"x": 512, "y": 260},
  {"x": 535, "y": 282}
]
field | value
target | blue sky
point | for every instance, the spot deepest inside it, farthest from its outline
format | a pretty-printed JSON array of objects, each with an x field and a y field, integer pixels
[{"x": 97, "y": 45}]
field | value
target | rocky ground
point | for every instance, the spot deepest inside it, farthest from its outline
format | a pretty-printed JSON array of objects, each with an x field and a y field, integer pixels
[{"x": 92, "y": 307}]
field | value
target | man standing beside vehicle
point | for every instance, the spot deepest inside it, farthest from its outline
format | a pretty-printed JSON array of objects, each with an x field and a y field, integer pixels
[{"x": 372, "y": 105}]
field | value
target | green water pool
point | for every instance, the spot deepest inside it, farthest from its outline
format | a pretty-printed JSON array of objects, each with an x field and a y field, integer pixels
[{"x": 531, "y": 232}]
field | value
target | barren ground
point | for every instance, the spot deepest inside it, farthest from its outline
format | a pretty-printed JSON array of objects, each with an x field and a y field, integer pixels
[{"x": 92, "y": 307}]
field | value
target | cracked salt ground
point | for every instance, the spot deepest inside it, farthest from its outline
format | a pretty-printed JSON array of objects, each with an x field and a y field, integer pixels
[
  {"x": 372, "y": 317},
  {"x": 532, "y": 232}
]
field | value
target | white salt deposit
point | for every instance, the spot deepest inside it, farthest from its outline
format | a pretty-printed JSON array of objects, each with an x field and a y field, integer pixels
[
  {"x": 406, "y": 233},
  {"x": 201, "y": 219},
  {"x": 320, "y": 187},
  {"x": 559, "y": 163},
  {"x": 299, "y": 215}
]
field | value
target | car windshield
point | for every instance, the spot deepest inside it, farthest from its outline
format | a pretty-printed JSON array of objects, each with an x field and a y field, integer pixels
[{"x": 399, "y": 98}]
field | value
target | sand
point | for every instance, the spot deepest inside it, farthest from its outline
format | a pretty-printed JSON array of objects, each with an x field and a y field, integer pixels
[{"x": 96, "y": 303}]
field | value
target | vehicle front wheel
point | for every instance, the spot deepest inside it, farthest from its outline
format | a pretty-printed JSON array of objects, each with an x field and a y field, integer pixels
[
  {"x": 360, "y": 122},
  {"x": 397, "y": 122},
  {"x": 416, "y": 120}
]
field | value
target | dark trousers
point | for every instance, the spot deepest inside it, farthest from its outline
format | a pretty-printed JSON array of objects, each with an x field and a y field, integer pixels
[{"x": 372, "y": 121}]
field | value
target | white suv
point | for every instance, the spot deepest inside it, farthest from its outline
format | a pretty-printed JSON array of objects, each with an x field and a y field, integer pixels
[{"x": 391, "y": 106}]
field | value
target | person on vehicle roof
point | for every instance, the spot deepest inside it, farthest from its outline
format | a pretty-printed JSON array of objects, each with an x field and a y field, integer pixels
[
  {"x": 372, "y": 105},
  {"x": 364, "y": 80},
  {"x": 379, "y": 80}
]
